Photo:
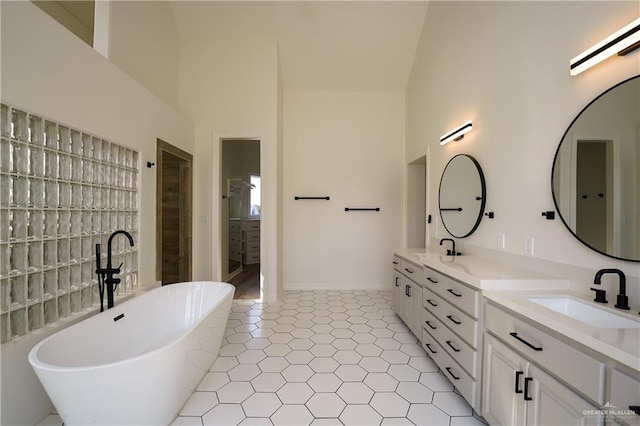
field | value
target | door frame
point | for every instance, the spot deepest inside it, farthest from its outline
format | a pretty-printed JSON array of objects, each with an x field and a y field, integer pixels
[{"x": 186, "y": 207}]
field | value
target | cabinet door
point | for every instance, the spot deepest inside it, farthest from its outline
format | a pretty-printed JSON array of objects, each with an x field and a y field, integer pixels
[
  {"x": 396, "y": 292},
  {"x": 503, "y": 384},
  {"x": 552, "y": 403},
  {"x": 415, "y": 310}
]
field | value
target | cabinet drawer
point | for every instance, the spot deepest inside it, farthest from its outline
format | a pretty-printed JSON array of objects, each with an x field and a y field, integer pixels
[
  {"x": 456, "y": 320},
  {"x": 624, "y": 393},
  {"x": 235, "y": 226},
  {"x": 581, "y": 371},
  {"x": 412, "y": 271},
  {"x": 453, "y": 291},
  {"x": 452, "y": 371},
  {"x": 397, "y": 263},
  {"x": 235, "y": 245},
  {"x": 252, "y": 236},
  {"x": 252, "y": 246},
  {"x": 253, "y": 225},
  {"x": 252, "y": 257},
  {"x": 454, "y": 345}
]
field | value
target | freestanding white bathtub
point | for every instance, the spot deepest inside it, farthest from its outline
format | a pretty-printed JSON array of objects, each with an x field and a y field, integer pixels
[{"x": 138, "y": 363}]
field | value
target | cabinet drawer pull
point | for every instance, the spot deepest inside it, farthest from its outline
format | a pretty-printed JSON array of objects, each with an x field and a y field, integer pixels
[
  {"x": 635, "y": 409},
  {"x": 431, "y": 326},
  {"x": 526, "y": 389},
  {"x": 431, "y": 303},
  {"x": 409, "y": 290},
  {"x": 518, "y": 374},
  {"x": 448, "y": 342},
  {"x": 397, "y": 285},
  {"x": 395, "y": 263},
  {"x": 409, "y": 270},
  {"x": 428, "y": 345},
  {"x": 453, "y": 320},
  {"x": 452, "y": 375},
  {"x": 432, "y": 280},
  {"x": 450, "y": 290},
  {"x": 406, "y": 290},
  {"x": 515, "y": 335}
]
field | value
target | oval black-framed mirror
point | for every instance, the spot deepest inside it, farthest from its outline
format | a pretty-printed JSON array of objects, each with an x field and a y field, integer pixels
[
  {"x": 595, "y": 179},
  {"x": 462, "y": 195}
]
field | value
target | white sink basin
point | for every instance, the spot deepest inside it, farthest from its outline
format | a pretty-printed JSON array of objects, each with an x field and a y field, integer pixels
[{"x": 585, "y": 312}]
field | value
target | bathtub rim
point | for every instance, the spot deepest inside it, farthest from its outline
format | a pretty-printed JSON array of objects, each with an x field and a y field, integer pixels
[{"x": 36, "y": 363}]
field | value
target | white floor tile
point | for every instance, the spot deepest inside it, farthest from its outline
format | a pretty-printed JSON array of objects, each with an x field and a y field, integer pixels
[
  {"x": 224, "y": 415},
  {"x": 295, "y": 393},
  {"x": 261, "y": 405},
  {"x": 360, "y": 415},
  {"x": 297, "y": 373},
  {"x": 213, "y": 381},
  {"x": 427, "y": 415},
  {"x": 381, "y": 382},
  {"x": 325, "y": 405},
  {"x": 324, "y": 382},
  {"x": 234, "y": 392},
  {"x": 452, "y": 404},
  {"x": 243, "y": 372},
  {"x": 323, "y": 358},
  {"x": 268, "y": 382},
  {"x": 292, "y": 415},
  {"x": 351, "y": 373},
  {"x": 355, "y": 393},
  {"x": 199, "y": 404},
  {"x": 389, "y": 404}
]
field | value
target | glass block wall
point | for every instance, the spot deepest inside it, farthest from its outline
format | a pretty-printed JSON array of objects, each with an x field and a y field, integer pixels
[{"x": 62, "y": 191}]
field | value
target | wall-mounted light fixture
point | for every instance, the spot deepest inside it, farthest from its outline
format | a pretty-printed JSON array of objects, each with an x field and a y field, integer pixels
[
  {"x": 457, "y": 133},
  {"x": 622, "y": 42}
]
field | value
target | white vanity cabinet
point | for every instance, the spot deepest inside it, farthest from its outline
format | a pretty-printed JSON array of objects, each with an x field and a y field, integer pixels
[
  {"x": 452, "y": 331},
  {"x": 407, "y": 293},
  {"x": 533, "y": 377},
  {"x": 517, "y": 392}
]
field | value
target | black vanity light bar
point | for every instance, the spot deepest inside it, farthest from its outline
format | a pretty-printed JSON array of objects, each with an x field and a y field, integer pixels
[
  {"x": 622, "y": 42},
  {"x": 457, "y": 133}
]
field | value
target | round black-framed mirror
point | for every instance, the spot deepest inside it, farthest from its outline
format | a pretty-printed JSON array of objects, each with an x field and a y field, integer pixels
[
  {"x": 462, "y": 195},
  {"x": 595, "y": 180}
]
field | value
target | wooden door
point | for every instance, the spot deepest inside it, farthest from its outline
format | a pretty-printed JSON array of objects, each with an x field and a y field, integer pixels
[{"x": 173, "y": 214}]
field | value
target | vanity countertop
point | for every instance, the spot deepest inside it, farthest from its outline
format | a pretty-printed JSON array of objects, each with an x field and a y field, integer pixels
[
  {"x": 483, "y": 273},
  {"x": 619, "y": 344}
]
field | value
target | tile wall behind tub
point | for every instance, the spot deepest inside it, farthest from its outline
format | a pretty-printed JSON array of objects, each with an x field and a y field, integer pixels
[{"x": 62, "y": 191}]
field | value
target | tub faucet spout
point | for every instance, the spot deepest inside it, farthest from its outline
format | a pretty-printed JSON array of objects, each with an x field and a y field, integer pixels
[{"x": 106, "y": 276}]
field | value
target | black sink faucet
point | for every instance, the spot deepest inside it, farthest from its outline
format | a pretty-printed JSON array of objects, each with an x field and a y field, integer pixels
[
  {"x": 623, "y": 299},
  {"x": 453, "y": 251},
  {"x": 106, "y": 278}
]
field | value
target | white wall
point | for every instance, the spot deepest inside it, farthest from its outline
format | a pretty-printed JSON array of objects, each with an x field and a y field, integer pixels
[
  {"x": 144, "y": 42},
  {"x": 48, "y": 71},
  {"x": 346, "y": 145},
  {"x": 231, "y": 90},
  {"x": 505, "y": 65}
]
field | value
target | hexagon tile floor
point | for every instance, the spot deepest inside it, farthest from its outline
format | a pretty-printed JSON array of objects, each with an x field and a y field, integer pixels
[{"x": 323, "y": 358}]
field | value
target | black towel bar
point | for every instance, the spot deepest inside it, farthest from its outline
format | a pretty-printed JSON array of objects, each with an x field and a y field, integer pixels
[{"x": 310, "y": 198}]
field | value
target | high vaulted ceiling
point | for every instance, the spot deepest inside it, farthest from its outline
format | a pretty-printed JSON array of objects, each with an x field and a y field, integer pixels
[{"x": 322, "y": 45}]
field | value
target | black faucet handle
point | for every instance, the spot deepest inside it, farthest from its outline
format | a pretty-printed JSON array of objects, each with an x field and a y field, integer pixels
[
  {"x": 601, "y": 295},
  {"x": 623, "y": 302}
]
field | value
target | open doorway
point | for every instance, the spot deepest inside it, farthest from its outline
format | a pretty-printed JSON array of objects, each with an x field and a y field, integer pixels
[
  {"x": 173, "y": 213},
  {"x": 417, "y": 203},
  {"x": 240, "y": 213}
]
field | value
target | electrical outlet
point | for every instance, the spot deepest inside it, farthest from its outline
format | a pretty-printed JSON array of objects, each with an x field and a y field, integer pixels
[
  {"x": 500, "y": 241},
  {"x": 528, "y": 246}
]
